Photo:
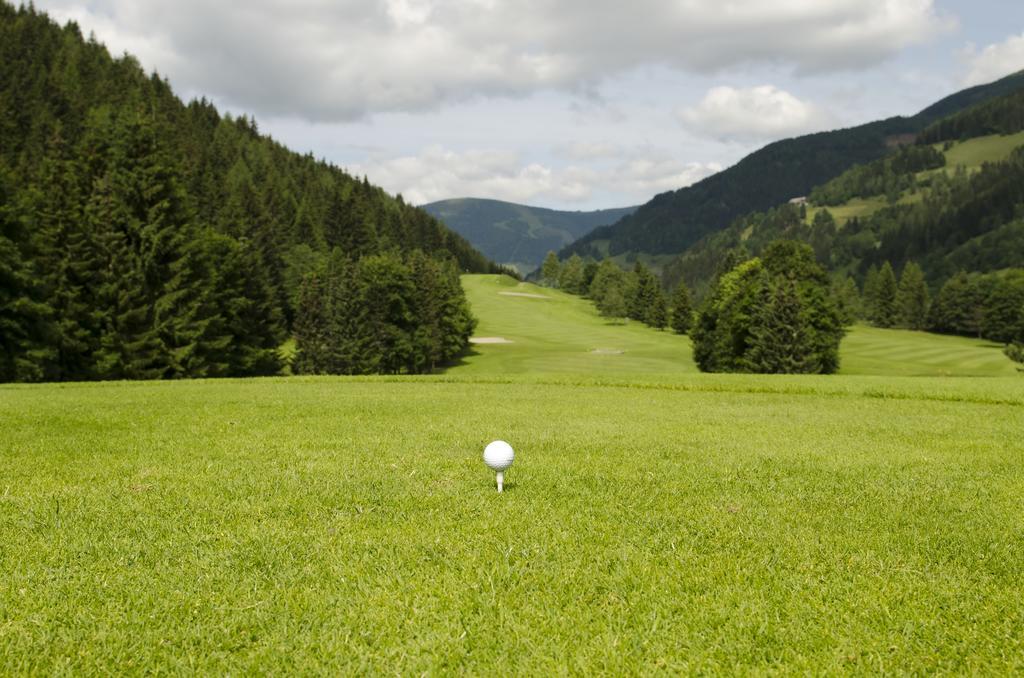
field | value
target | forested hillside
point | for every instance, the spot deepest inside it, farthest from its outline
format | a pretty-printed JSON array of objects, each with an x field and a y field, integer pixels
[
  {"x": 519, "y": 235},
  {"x": 918, "y": 204},
  {"x": 672, "y": 222},
  {"x": 143, "y": 237},
  {"x": 930, "y": 237}
]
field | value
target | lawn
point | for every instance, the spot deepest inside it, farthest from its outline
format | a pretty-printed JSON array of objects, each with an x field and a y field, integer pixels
[
  {"x": 554, "y": 332},
  {"x": 704, "y": 523},
  {"x": 655, "y": 518},
  {"x": 563, "y": 334}
]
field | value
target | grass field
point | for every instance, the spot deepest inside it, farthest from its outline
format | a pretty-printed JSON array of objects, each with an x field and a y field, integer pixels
[
  {"x": 714, "y": 524},
  {"x": 655, "y": 519},
  {"x": 554, "y": 332},
  {"x": 974, "y": 152},
  {"x": 560, "y": 333}
]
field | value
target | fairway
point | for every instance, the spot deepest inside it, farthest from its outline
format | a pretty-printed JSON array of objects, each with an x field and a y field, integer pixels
[
  {"x": 713, "y": 524},
  {"x": 551, "y": 332},
  {"x": 560, "y": 333}
]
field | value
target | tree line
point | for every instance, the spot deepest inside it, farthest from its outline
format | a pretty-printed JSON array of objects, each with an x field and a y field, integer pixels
[
  {"x": 142, "y": 237},
  {"x": 773, "y": 314},
  {"x": 620, "y": 294},
  {"x": 382, "y": 314}
]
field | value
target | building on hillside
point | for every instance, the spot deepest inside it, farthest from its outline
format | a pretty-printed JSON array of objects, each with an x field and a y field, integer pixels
[{"x": 802, "y": 200}]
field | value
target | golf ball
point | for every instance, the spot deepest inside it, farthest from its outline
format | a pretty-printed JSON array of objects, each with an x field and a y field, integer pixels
[{"x": 498, "y": 455}]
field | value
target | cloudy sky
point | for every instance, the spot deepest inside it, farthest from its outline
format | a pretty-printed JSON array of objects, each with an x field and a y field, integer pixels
[{"x": 572, "y": 104}]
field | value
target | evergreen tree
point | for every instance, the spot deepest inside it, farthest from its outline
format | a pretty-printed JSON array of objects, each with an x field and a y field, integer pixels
[
  {"x": 23, "y": 317},
  {"x": 885, "y": 311},
  {"x": 1015, "y": 352},
  {"x": 738, "y": 314},
  {"x": 958, "y": 307},
  {"x": 312, "y": 337},
  {"x": 682, "y": 309},
  {"x": 912, "y": 299},
  {"x": 1003, "y": 312},
  {"x": 780, "y": 337},
  {"x": 646, "y": 297},
  {"x": 613, "y": 303},
  {"x": 608, "y": 276},
  {"x": 869, "y": 298},
  {"x": 570, "y": 278},
  {"x": 657, "y": 311},
  {"x": 551, "y": 270},
  {"x": 848, "y": 301}
]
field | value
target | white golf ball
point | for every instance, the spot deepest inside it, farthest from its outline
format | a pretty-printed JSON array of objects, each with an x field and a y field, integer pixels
[{"x": 499, "y": 455}]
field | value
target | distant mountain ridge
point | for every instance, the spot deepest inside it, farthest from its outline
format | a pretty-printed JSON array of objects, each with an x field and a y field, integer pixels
[
  {"x": 518, "y": 235},
  {"x": 671, "y": 222}
]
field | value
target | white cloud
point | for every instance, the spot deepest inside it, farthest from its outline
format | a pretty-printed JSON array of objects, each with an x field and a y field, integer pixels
[
  {"x": 342, "y": 59},
  {"x": 437, "y": 173},
  {"x": 994, "y": 62},
  {"x": 752, "y": 114}
]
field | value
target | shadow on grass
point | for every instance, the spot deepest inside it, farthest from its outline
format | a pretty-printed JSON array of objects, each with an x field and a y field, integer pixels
[{"x": 458, "y": 361}]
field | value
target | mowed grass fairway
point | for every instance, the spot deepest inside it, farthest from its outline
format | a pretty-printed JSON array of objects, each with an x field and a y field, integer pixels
[
  {"x": 557, "y": 333},
  {"x": 348, "y": 525},
  {"x": 554, "y": 332},
  {"x": 655, "y": 519}
]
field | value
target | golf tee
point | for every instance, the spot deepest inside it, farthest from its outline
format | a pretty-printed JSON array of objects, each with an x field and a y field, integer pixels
[{"x": 501, "y": 480}]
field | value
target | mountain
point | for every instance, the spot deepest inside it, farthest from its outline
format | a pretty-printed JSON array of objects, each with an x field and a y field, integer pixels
[
  {"x": 954, "y": 201},
  {"x": 783, "y": 170},
  {"x": 518, "y": 235},
  {"x": 145, "y": 237}
]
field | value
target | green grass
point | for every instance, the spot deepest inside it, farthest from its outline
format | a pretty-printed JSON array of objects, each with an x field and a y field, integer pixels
[
  {"x": 870, "y": 350},
  {"x": 562, "y": 333},
  {"x": 975, "y": 152},
  {"x": 559, "y": 334},
  {"x": 692, "y": 524},
  {"x": 655, "y": 519}
]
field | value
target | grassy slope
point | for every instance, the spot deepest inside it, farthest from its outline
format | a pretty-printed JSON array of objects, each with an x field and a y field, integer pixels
[
  {"x": 715, "y": 524},
  {"x": 970, "y": 154},
  {"x": 558, "y": 334}
]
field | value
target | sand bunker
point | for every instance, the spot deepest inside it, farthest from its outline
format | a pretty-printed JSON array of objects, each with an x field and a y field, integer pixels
[
  {"x": 489, "y": 340},
  {"x": 524, "y": 294},
  {"x": 608, "y": 351}
]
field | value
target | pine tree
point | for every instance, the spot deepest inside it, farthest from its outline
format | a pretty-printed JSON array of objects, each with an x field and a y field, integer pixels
[
  {"x": 657, "y": 310},
  {"x": 24, "y": 318},
  {"x": 613, "y": 303},
  {"x": 151, "y": 293},
  {"x": 958, "y": 307},
  {"x": 1003, "y": 313},
  {"x": 848, "y": 300},
  {"x": 780, "y": 340},
  {"x": 570, "y": 278},
  {"x": 311, "y": 328},
  {"x": 869, "y": 298},
  {"x": 682, "y": 309},
  {"x": 551, "y": 270},
  {"x": 608, "y": 276},
  {"x": 885, "y": 312},
  {"x": 912, "y": 299}
]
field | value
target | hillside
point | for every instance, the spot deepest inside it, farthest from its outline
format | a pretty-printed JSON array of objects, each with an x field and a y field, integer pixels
[
  {"x": 143, "y": 237},
  {"x": 673, "y": 221},
  {"x": 546, "y": 331},
  {"x": 951, "y": 204},
  {"x": 518, "y": 235}
]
